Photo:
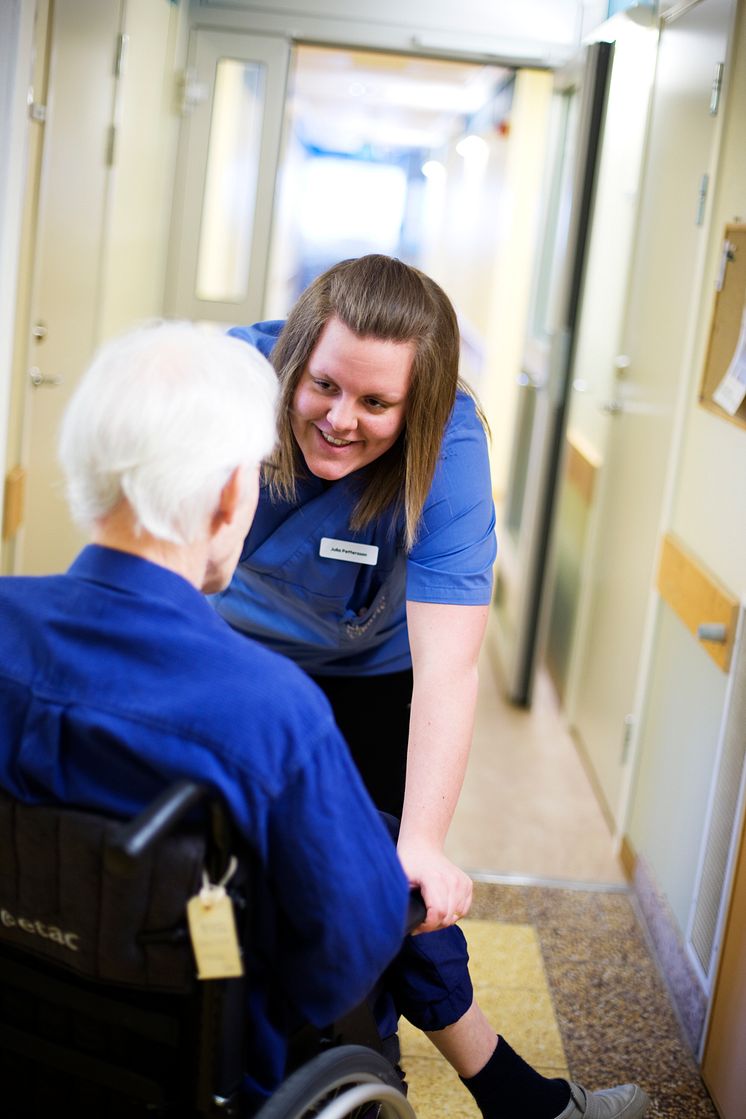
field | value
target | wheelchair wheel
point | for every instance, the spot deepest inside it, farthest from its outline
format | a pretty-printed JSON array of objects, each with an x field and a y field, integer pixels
[{"x": 350, "y": 1082}]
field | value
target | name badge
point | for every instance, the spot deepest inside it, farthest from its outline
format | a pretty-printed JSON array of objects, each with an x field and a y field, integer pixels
[{"x": 348, "y": 550}]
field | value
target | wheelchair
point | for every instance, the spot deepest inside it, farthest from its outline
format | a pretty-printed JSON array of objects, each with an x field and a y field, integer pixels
[{"x": 101, "y": 1010}]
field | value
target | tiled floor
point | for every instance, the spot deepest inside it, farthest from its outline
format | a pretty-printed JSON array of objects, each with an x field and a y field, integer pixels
[{"x": 559, "y": 958}]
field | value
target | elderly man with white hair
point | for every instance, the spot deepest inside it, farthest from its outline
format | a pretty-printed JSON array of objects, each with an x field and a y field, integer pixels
[{"x": 118, "y": 676}]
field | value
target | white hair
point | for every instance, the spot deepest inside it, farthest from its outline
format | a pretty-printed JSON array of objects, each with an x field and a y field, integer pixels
[{"x": 161, "y": 418}]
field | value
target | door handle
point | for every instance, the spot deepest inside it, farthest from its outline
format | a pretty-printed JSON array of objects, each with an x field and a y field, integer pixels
[
  {"x": 37, "y": 378},
  {"x": 712, "y": 631}
]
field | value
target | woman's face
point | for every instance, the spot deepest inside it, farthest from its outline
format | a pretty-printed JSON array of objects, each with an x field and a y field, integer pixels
[{"x": 350, "y": 403}]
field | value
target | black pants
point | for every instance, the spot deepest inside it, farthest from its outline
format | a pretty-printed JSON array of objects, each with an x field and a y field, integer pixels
[
  {"x": 429, "y": 981},
  {"x": 373, "y": 714}
]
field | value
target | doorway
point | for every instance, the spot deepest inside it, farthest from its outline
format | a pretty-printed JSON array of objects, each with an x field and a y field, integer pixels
[
  {"x": 364, "y": 163},
  {"x": 440, "y": 162}
]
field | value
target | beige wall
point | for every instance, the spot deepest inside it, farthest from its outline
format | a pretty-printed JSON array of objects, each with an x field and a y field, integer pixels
[{"x": 483, "y": 253}]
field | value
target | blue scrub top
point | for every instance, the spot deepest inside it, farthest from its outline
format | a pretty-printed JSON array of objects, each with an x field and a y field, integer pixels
[{"x": 336, "y": 617}]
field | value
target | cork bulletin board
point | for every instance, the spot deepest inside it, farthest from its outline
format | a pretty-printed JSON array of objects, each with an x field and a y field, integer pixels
[{"x": 730, "y": 303}]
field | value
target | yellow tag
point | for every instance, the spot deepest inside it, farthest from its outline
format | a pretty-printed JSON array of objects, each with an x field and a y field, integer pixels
[{"x": 212, "y": 928}]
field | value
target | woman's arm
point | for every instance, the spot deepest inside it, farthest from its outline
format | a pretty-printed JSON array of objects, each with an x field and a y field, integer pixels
[{"x": 445, "y": 642}]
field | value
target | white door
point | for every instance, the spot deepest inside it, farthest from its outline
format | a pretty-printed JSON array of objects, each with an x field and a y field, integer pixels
[
  {"x": 66, "y": 285},
  {"x": 100, "y": 229},
  {"x": 228, "y": 153},
  {"x": 653, "y": 366}
]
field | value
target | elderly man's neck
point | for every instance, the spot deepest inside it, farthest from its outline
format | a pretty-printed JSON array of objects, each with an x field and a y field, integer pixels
[{"x": 118, "y": 530}]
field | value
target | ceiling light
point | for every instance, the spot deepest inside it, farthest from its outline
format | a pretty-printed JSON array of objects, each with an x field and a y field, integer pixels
[
  {"x": 433, "y": 169},
  {"x": 472, "y": 147}
]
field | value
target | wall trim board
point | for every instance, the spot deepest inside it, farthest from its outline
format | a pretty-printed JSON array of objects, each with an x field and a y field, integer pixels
[
  {"x": 15, "y": 485},
  {"x": 628, "y": 858},
  {"x": 581, "y": 467},
  {"x": 697, "y": 597}
]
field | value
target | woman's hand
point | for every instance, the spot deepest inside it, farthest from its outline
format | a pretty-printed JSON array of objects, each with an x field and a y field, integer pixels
[
  {"x": 446, "y": 889},
  {"x": 445, "y": 643}
]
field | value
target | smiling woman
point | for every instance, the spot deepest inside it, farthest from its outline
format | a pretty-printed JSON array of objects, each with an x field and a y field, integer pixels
[
  {"x": 350, "y": 404},
  {"x": 393, "y": 308}
]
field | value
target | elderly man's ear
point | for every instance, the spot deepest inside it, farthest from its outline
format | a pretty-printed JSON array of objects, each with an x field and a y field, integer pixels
[
  {"x": 229, "y": 526},
  {"x": 229, "y": 501}
]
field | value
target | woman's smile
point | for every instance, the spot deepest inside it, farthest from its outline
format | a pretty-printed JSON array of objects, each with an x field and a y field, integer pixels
[
  {"x": 351, "y": 401},
  {"x": 335, "y": 442}
]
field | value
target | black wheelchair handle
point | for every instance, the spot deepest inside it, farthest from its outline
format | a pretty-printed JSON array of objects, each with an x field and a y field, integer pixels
[
  {"x": 133, "y": 839},
  {"x": 416, "y": 909}
]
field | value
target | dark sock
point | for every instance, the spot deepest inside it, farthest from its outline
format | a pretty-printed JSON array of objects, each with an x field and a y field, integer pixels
[{"x": 508, "y": 1087}]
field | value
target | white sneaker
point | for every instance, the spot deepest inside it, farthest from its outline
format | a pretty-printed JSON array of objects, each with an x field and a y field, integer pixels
[{"x": 626, "y": 1101}]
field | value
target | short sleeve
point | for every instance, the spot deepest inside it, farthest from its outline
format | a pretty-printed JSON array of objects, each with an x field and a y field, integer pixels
[{"x": 453, "y": 557}]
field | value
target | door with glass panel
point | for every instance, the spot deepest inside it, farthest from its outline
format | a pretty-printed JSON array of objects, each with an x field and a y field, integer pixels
[
  {"x": 575, "y": 131},
  {"x": 233, "y": 106}
]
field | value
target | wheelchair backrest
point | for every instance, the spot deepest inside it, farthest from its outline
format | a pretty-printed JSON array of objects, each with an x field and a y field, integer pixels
[
  {"x": 99, "y": 1001},
  {"x": 62, "y": 901}
]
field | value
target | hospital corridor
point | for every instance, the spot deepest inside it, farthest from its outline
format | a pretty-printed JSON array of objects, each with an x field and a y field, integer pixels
[{"x": 484, "y": 266}]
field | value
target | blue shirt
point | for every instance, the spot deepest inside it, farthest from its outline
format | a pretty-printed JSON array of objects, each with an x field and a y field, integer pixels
[
  {"x": 346, "y": 618},
  {"x": 117, "y": 678}
]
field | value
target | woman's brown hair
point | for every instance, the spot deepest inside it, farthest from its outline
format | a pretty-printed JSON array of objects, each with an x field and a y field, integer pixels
[{"x": 377, "y": 297}]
